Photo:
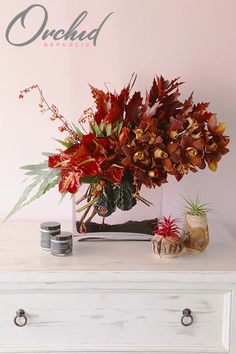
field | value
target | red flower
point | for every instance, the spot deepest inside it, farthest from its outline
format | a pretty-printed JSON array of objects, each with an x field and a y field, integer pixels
[
  {"x": 69, "y": 182},
  {"x": 113, "y": 172}
]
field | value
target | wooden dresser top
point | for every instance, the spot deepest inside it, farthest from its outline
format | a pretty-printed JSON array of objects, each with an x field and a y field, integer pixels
[{"x": 20, "y": 251}]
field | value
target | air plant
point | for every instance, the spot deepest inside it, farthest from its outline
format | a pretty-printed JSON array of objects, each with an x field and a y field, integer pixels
[
  {"x": 195, "y": 227},
  {"x": 167, "y": 240},
  {"x": 195, "y": 207},
  {"x": 167, "y": 227}
]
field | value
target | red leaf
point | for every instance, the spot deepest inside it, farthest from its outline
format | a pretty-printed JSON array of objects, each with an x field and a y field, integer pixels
[
  {"x": 201, "y": 106},
  {"x": 88, "y": 142},
  {"x": 115, "y": 114},
  {"x": 153, "y": 94},
  {"x": 123, "y": 97},
  {"x": 160, "y": 84},
  {"x": 148, "y": 111},
  {"x": 187, "y": 105},
  {"x": 101, "y": 99},
  {"x": 133, "y": 108}
]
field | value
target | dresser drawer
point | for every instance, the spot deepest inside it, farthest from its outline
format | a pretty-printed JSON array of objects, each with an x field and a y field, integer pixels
[{"x": 129, "y": 320}]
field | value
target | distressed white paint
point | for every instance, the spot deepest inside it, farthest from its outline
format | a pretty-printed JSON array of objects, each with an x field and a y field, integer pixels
[
  {"x": 114, "y": 319},
  {"x": 20, "y": 251},
  {"x": 115, "y": 297}
]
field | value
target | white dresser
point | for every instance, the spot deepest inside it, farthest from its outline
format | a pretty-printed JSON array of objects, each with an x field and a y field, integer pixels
[{"x": 115, "y": 296}]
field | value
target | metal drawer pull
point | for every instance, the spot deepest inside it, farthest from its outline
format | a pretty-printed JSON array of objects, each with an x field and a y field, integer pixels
[
  {"x": 187, "y": 318},
  {"x": 20, "y": 320}
]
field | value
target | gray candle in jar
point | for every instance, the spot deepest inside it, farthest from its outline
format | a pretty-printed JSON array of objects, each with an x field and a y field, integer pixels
[
  {"x": 48, "y": 229},
  {"x": 61, "y": 244}
]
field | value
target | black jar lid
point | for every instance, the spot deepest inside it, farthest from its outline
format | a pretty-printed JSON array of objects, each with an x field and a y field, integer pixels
[
  {"x": 51, "y": 225},
  {"x": 63, "y": 236}
]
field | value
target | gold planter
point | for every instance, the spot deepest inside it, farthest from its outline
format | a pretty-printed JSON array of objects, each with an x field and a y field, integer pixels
[
  {"x": 167, "y": 247},
  {"x": 196, "y": 235}
]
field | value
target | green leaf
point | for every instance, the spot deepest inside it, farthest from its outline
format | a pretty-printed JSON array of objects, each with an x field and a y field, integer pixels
[
  {"x": 120, "y": 125},
  {"x": 24, "y": 196},
  {"x": 102, "y": 127},
  {"x": 63, "y": 194},
  {"x": 35, "y": 167},
  {"x": 47, "y": 154},
  {"x": 96, "y": 130},
  {"x": 91, "y": 127},
  {"x": 109, "y": 129},
  {"x": 48, "y": 184},
  {"x": 88, "y": 179},
  {"x": 64, "y": 143},
  {"x": 44, "y": 187},
  {"x": 77, "y": 130},
  {"x": 195, "y": 207},
  {"x": 36, "y": 172},
  {"x": 45, "y": 178}
]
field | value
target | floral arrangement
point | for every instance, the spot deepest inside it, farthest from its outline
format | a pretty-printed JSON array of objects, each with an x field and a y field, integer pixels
[{"x": 132, "y": 141}]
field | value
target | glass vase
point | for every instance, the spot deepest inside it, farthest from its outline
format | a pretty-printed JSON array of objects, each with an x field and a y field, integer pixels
[{"x": 134, "y": 224}]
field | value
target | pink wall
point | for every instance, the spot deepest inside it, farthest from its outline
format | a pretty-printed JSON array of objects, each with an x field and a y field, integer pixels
[{"x": 194, "y": 39}]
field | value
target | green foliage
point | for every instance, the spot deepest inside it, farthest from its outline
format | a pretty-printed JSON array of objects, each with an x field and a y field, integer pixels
[
  {"x": 124, "y": 192},
  {"x": 104, "y": 130},
  {"x": 64, "y": 143},
  {"x": 44, "y": 179},
  {"x": 195, "y": 207},
  {"x": 102, "y": 127},
  {"x": 77, "y": 130},
  {"x": 88, "y": 179},
  {"x": 119, "y": 127},
  {"x": 96, "y": 130}
]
